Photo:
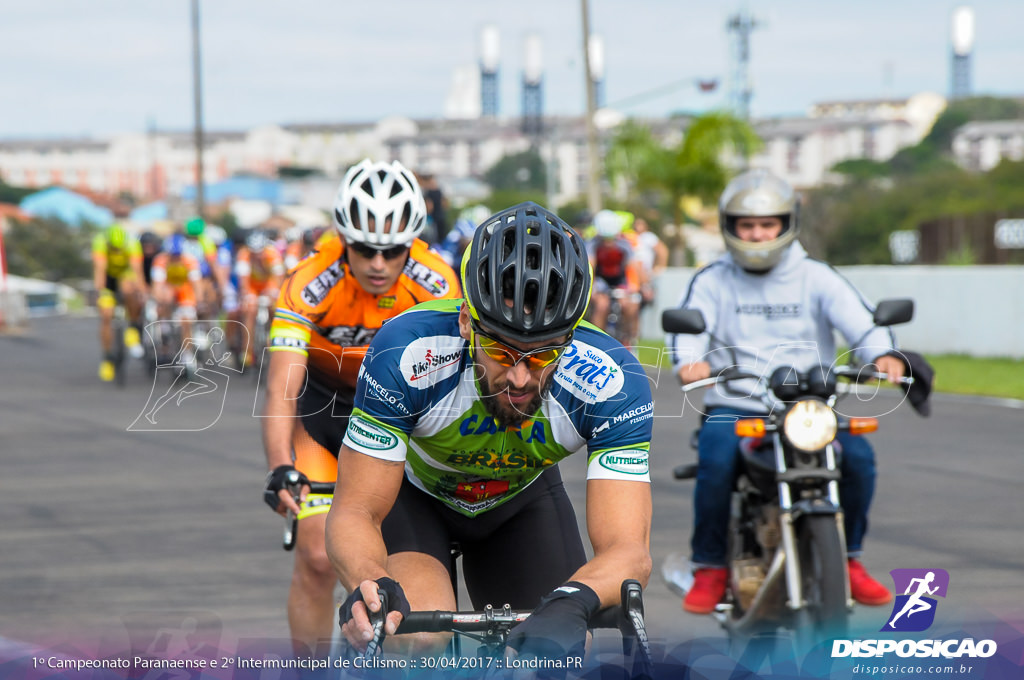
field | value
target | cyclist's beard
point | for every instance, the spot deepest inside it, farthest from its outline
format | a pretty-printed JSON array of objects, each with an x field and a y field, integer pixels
[{"x": 504, "y": 413}]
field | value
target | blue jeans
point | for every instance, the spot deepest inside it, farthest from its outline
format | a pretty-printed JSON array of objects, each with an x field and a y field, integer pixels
[{"x": 717, "y": 463}]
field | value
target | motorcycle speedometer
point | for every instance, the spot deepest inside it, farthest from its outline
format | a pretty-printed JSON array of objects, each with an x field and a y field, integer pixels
[{"x": 810, "y": 425}]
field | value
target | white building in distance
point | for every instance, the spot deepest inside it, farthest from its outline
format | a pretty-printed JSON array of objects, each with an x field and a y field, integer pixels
[{"x": 162, "y": 164}]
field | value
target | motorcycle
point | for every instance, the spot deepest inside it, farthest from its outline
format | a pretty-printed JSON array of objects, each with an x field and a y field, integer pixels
[{"x": 786, "y": 549}]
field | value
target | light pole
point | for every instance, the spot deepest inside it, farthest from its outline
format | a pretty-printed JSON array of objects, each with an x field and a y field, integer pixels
[
  {"x": 593, "y": 157},
  {"x": 197, "y": 95}
]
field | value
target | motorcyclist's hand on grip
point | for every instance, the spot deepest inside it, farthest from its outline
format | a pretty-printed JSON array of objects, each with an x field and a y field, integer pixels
[
  {"x": 892, "y": 366},
  {"x": 699, "y": 370},
  {"x": 557, "y": 628}
]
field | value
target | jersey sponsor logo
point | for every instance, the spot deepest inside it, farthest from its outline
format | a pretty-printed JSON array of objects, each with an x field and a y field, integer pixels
[
  {"x": 530, "y": 431},
  {"x": 433, "y": 281},
  {"x": 475, "y": 492},
  {"x": 626, "y": 461},
  {"x": 350, "y": 336},
  {"x": 428, "y": 361},
  {"x": 789, "y": 310},
  {"x": 589, "y": 373},
  {"x": 386, "y": 302},
  {"x": 635, "y": 415},
  {"x": 514, "y": 460},
  {"x": 316, "y": 290},
  {"x": 370, "y": 436},
  {"x": 392, "y": 397},
  {"x": 279, "y": 341}
]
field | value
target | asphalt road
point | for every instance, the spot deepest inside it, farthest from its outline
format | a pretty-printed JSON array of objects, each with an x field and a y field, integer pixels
[{"x": 113, "y": 525}]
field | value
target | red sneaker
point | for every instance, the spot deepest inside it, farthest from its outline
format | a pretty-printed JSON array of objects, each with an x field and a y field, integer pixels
[
  {"x": 865, "y": 589},
  {"x": 707, "y": 590}
]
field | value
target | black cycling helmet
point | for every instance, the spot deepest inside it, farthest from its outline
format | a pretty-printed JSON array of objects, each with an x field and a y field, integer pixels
[{"x": 526, "y": 275}]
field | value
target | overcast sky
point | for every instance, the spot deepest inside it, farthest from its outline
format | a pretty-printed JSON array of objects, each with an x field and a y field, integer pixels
[{"x": 94, "y": 67}]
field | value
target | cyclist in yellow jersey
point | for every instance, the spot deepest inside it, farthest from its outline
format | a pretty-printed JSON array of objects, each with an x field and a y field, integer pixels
[{"x": 117, "y": 276}]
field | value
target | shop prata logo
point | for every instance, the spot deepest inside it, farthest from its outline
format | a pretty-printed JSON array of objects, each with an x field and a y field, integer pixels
[{"x": 913, "y": 612}]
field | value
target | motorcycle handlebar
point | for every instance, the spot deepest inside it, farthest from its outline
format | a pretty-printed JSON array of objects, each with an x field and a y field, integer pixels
[{"x": 851, "y": 373}]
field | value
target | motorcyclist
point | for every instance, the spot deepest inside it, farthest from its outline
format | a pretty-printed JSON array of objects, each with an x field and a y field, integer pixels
[{"x": 774, "y": 306}]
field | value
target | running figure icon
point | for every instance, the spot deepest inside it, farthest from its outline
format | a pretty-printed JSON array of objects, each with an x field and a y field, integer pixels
[{"x": 915, "y": 603}]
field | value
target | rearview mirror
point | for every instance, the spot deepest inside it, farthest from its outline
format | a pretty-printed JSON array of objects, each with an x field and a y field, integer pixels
[
  {"x": 893, "y": 312},
  {"x": 688, "y": 321}
]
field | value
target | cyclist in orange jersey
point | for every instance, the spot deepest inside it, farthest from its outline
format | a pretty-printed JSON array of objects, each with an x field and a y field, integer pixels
[
  {"x": 176, "y": 277},
  {"x": 260, "y": 271},
  {"x": 331, "y": 305}
]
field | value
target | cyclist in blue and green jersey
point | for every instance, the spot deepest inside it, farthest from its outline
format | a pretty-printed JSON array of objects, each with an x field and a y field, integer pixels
[{"x": 463, "y": 411}]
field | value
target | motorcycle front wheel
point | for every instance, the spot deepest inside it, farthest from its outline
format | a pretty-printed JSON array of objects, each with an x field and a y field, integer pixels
[{"x": 823, "y": 569}]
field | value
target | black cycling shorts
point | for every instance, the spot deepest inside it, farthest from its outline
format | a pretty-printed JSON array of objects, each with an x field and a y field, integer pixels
[
  {"x": 324, "y": 415},
  {"x": 514, "y": 554}
]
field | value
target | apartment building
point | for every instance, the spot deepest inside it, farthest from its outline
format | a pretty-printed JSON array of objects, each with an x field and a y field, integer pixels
[{"x": 163, "y": 164}]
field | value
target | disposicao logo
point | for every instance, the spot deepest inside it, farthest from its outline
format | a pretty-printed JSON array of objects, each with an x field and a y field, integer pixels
[{"x": 914, "y": 611}]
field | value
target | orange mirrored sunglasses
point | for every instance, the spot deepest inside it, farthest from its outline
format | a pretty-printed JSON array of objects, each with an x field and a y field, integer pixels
[{"x": 508, "y": 356}]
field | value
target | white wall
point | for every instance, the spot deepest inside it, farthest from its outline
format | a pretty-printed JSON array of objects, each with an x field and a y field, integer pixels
[{"x": 958, "y": 310}]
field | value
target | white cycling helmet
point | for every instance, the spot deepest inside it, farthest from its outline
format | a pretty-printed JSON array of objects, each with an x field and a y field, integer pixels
[
  {"x": 759, "y": 193},
  {"x": 608, "y": 223},
  {"x": 477, "y": 214},
  {"x": 388, "y": 193}
]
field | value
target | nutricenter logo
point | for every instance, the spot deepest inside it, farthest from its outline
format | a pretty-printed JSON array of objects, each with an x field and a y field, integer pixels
[
  {"x": 914, "y": 611},
  {"x": 629, "y": 461},
  {"x": 370, "y": 436}
]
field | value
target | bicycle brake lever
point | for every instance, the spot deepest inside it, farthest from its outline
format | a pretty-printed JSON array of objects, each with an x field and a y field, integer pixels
[
  {"x": 377, "y": 621},
  {"x": 632, "y": 624},
  {"x": 293, "y": 485}
]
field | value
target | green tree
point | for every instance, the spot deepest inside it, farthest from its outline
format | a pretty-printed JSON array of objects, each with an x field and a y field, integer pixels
[
  {"x": 13, "y": 194},
  {"x": 963, "y": 111},
  {"x": 48, "y": 249},
  {"x": 523, "y": 172},
  {"x": 697, "y": 165}
]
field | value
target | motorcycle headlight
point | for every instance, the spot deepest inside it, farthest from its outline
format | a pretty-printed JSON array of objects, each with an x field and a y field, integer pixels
[{"x": 810, "y": 425}]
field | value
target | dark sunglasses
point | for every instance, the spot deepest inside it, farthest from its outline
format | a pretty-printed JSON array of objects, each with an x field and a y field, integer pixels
[
  {"x": 508, "y": 356},
  {"x": 369, "y": 252}
]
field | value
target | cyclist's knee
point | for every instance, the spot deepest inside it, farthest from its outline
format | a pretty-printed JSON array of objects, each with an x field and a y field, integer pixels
[
  {"x": 314, "y": 566},
  {"x": 311, "y": 550}
]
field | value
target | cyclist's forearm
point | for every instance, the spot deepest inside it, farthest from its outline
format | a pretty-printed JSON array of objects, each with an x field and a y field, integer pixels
[
  {"x": 355, "y": 545},
  {"x": 606, "y": 571},
  {"x": 366, "y": 490},
  {"x": 619, "y": 525},
  {"x": 280, "y": 410}
]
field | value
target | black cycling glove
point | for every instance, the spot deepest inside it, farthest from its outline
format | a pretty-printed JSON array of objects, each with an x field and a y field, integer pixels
[
  {"x": 557, "y": 628},
  {"x": 396, "y": 601},
  {"x": 276, "y": 480}
]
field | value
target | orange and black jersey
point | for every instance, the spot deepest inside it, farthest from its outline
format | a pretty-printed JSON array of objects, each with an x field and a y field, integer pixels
[{"x": 323, "y": 312}]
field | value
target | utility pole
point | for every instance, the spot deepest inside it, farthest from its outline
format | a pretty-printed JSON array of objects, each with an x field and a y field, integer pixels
[
  {"x": 197, "y": 92},
  {"x": 593, "y": 157},
  {"x": 742, "y": 24}
]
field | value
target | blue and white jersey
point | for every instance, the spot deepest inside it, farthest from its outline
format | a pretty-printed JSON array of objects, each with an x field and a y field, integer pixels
[{"x": 418, "y": 401}]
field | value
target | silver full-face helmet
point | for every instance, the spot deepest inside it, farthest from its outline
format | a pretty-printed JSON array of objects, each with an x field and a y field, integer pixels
[{"x": 758, "y": 193}]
